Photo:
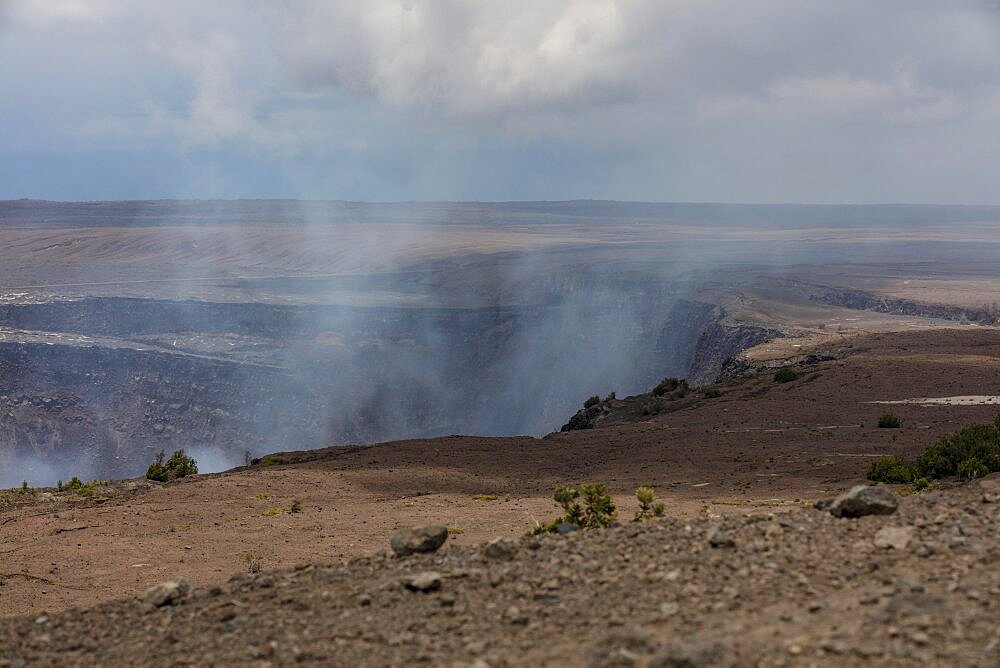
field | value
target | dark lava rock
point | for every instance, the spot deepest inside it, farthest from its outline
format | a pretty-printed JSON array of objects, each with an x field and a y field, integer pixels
[
  {"x": 425, "y": 538},
  {"x": 864, "y": 500},
  {"x": 694, "y": 653},
  {"x": 620, "y": 650},
  {"x": 586, "y": 418}
]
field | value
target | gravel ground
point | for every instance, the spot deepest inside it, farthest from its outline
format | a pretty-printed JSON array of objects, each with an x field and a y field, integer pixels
[{"x": 798, "y": 588}]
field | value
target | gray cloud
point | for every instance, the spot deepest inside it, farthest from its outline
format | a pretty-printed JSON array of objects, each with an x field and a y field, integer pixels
[{"x": 691, "y": 99}]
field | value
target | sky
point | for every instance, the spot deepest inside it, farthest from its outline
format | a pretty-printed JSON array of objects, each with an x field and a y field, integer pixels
[{"x": 839, "y": 101}]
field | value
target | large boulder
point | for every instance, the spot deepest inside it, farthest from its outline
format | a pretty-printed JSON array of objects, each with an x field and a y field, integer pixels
[
  {"x": 425, "y": 538},
  {"x": 864, "y": 500}
]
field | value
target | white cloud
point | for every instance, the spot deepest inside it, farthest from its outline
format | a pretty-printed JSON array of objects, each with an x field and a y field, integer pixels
[
  {"x": 841, "y": 97},
  {"x": 649, "y": 84}
]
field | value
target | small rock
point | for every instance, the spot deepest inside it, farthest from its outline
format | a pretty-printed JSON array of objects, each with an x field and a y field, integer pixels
[
  {"x": 896, "y": 538},
  {"x": 426, "y": 538},
  {"x": 167, "y": 593},
  {"x": 566, "y": 527},
  {"x": 991, "y": 488},
  {"x": 423, "y": 582},
  {"x": 498, "y": 549},
  {"x": 669, "y": 609},
  {"x": 622, "y": 649},
  {"x": 694, "y": 652},
  {"x": 823, "y": 504},
  {"x": 514, "y": 615},
  {"x": 864, "y": 500},
  {"x": 718, "y": 537}
]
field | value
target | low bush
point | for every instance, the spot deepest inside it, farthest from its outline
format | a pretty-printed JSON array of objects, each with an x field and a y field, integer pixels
[
  {"x": 178, "y": 466},
  {"x": 712, "y": 393},
  {"x": 976, "y": 449},
  {"x": 969, "y": 453},
  {"x": 891, "y": 470},
  {"x": 785, "y": 375},
  {"x": 592, "y": 401},
  {"x": 889, "y": 421}
]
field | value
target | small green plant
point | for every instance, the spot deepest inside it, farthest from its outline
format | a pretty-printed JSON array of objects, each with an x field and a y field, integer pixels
[
  {"x": 712, "y": 393},
  {"x": 59, "y": 485},
  {"x": 296, "y": 506},
  {"x": 785, "y": 375},
  {"x": 596, "y": 512},
  {"x": 83, "y": 488},
  {"x": 889, "y": 421},
  {"x": 592, "y": 401},
  {"x": 178, "y": 466},
  {"x": 272, "y": 512},
  {"x": 648, "y": 505},
  {"x": 599, "y": 510},
  {"x": 24, "y": 487},
  {"x": 455, "y": 531},
  {"x": 891, "y": 470},
  {"x": 485, "y": 497}
]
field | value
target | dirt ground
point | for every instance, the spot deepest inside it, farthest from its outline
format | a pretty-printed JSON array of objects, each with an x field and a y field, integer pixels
[{"x": 760, "y": 447}]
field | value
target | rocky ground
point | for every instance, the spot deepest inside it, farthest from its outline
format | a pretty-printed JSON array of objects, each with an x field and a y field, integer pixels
[{"x": 916, "y": 587}]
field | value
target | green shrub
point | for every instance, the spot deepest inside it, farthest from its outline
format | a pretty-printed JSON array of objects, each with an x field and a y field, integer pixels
[
  {"x": 979, "y": 442},
  {"x": 676, "y": 387},
  {"x": 712, "y": 393},
  {"x": 648, "y": 505},
  {"x": 270, "y": 460},
  {"x": 178, "y": 466},
  {"x": 785, "y": 375},
  {"x": 971, "y": 468},
  {"x": 889, "y": 421},
  {"x": 891, "y": 470},
  {"x": 969, "y": 453},
  {"x": 592, "y": 401},
  {"x": 598, "y": 510}
]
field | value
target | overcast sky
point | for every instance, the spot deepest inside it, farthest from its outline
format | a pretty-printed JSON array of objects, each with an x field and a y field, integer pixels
[{"x": 663, "y": 100}]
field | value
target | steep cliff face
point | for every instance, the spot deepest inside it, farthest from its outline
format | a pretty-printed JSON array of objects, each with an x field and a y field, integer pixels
[
  {"x": 719, "y": 342},
  {"x": 988, "y": 314}
]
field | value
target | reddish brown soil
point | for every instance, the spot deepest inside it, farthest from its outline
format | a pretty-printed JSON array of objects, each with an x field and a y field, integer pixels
[{"x": 760, "y": 447}]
